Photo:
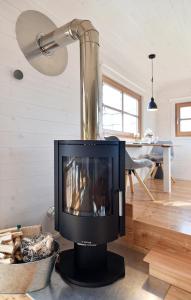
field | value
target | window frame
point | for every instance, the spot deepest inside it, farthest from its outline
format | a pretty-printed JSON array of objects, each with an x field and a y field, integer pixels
[
  {"x": 178, "y": 106},
  {"x": 123, "y": 90}
]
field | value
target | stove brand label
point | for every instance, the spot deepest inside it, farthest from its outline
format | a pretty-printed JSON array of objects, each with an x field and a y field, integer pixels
[{"x": 87, "y": 243}]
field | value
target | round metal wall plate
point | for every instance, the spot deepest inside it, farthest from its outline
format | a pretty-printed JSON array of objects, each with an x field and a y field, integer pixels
[
  {"x": 18, "y": 74},
  {"x": 30, "y": 24}
]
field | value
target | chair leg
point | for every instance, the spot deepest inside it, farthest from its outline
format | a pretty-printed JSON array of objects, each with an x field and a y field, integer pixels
[
  {"x": 143, "y": 185},
  {"x": 149, "y": 174},
  {"x": 126, "y": 182},
  {"x": 131, "y": 182},
  {"x": 154, "y": 172}
]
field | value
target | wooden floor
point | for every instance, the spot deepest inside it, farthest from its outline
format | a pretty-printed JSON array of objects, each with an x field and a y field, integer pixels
[
  {"x": 14, "y": 297},
  {"x": 169, "y": 217},
  {"x": 162, "y": 228},
  {"x": 177, "y": 294},
  {"x": 171, "y": 211}
]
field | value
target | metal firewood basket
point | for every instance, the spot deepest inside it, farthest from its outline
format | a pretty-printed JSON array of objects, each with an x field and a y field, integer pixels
[{"x": 27, "y": 277}]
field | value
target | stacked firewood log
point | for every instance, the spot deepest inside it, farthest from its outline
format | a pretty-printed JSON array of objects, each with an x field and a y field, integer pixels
[
  {"x": 17, "y": 248},
  {"x": 10, "y": 243}
]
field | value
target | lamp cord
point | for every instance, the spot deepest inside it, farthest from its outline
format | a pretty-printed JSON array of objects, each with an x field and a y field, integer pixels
[{"x": 152, "y": 78}]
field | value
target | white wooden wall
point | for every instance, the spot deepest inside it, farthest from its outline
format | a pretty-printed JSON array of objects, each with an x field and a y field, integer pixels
[
  {"x": 33, "y": 113},
  {"x": 181, "y": 92}
]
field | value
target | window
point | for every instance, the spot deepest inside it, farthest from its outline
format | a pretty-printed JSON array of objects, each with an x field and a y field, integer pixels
[
  {"x": 183, "y": 119},
  {"x": 121, "y": 109}
]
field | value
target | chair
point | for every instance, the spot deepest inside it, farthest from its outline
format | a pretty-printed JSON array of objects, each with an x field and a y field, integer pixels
[
  {"x": 131, "y": 165},
  {"x": 156, "y": 156}
]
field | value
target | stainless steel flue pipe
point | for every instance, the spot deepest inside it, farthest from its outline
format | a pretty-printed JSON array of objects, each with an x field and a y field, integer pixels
[{"x": 88, "y": 36}]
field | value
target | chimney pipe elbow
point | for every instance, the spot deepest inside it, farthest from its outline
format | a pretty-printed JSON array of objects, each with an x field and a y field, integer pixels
[{"x": 84, "y": 31}]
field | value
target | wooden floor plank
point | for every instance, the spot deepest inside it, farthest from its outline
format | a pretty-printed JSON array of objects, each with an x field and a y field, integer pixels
[
  {"x": 147, "y": 236},
  {"x": 170, "y": 253},
  {"x": 14, "y": 297},
  {"x": 170, "y": 265},
  {"x": 170, "y": 277},
  {"x": 175, "y": 293}
]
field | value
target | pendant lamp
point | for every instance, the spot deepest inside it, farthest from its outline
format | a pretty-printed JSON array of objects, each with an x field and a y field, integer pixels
[{"x": 152, "y": 105}]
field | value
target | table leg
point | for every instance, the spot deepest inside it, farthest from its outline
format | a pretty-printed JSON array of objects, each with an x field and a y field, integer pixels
[{"x": 167, "y": 169}]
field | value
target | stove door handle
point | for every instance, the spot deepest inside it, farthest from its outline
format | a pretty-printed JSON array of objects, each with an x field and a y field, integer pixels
[{"x": 120, "y": 203}]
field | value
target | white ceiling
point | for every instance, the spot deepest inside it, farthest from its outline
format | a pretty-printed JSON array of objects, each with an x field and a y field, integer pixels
[{"x": 132, "y": 29}]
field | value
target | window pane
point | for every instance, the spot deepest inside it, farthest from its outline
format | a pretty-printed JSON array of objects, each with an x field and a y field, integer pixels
[
  {"x": 112, "y": 97},
  {"x": 112, "y": 119},
  {"x": 185, "y": 112},
  {"x": 130, "y": 124},
  {"x": 130, "y": 104},
  {"x": 185, "y": 125}
]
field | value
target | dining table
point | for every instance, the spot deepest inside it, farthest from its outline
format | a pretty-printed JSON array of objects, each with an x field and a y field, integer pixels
[{"x": 167, "y": 185}]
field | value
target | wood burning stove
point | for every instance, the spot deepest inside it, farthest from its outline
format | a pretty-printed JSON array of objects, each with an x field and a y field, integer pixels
[
  {"x": 89, "y": 174},
  {"x": 89, "y": 208}
]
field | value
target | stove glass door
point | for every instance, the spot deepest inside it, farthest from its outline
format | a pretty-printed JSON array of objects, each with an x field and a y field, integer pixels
[{"x": 87, "y": 183}]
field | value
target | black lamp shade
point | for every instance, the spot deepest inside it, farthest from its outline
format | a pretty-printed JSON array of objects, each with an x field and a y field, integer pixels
[{"x": 152, "y": 105}]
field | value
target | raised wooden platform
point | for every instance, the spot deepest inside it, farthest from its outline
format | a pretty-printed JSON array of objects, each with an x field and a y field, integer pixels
[
  {"x": 166, "y": 220},
  {"x": 162, "y": 228},
  {"x": 175, "y": 293},
  {"x": 170, "y": 264}
]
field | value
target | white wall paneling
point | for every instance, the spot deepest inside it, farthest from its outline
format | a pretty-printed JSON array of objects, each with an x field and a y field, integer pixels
[
  {"x": 181, "y": 92},
  {"x": 39, "y": 109}
]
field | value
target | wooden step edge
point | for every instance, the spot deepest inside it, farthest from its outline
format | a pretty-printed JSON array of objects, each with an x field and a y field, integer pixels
[
  {"x": 169, "y": 277},
  {"x": 165, "y": 227},
  {"x": 181, "y": 257},
  {"x": 147, "y": 237},
  {"x": 158, "y": 259},
  {"x": 148, "y": 258},
  {"x": 175, "y": 293},
  {"x": 153, "y": 256},
  {"x": 179, "y": 269},
  {"x": 172, "y": 252}
]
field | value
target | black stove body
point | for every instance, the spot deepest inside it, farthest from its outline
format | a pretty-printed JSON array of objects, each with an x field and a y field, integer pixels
[{"x": 90, "y": 209}]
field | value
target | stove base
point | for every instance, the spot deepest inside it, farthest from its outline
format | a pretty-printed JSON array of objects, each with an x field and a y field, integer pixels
[{"x": 113, "y": 270}]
